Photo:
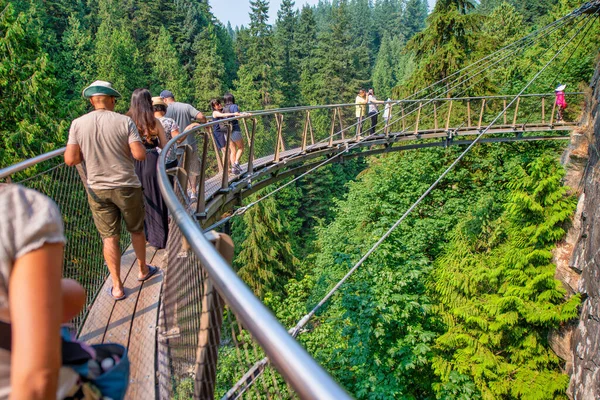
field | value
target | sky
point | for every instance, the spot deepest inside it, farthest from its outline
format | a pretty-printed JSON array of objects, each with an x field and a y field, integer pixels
[{"x": 236, "y": 11}]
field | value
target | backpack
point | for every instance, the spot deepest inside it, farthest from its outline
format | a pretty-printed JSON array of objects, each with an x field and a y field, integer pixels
[{"x": 93, "y": 382}]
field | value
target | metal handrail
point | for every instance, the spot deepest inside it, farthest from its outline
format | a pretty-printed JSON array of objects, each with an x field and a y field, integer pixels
[
  {"x": 298, "y": 368},
  {"x": 23, "y": 165}
]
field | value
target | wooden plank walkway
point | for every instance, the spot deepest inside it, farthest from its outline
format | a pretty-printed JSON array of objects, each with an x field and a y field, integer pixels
[{"x": 131, "y": 322}]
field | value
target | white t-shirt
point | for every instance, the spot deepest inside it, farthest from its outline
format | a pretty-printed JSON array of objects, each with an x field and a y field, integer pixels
[
  {"x": 372, "y": 106},
  {"x": 30, "y": 220}
]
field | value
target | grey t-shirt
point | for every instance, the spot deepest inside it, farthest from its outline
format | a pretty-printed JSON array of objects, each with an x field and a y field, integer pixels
[
  {"x": 29, "y": 221},
  {"x": 183, "y": 114},
  {"x": 104, "y": 137}
]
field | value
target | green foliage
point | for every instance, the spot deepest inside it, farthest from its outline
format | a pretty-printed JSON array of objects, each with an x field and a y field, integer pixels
[
  {"x": 167, "y": 69},
  {"x": 497, "y": 293},
  {"x": 28, "y": 117},
  {"x": 210, "y": 71},
  {"x": 265, "y": 268}
]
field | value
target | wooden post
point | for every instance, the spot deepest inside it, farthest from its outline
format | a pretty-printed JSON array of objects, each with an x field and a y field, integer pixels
[
  {"x": 504, "y": 102},
  {"x": 469, "y": 113},
  {"x": 418, "y": 118},
  {"x": 435, "y": 124},
  {"x": 332, "y": 127},
  {"x": 211, "y": 321},
  {"x": 310, "y": 129},
  {"x": 339, "y": 114},
  {"x": 552, "y": 116},
  {"x": 225, "y": 174},
  {"x": 481, "y": 113},
  {"x": 403, "y": 119},
  {"x": 216, "y": 148},
  {"x": 305, "y": 130},
  {"x": 516, "y": 112},
  {"x": 251, "y": 152},
  {"x": 201, "y": 204},
  {"x": 246, "y": 129},
  {"x": 279, "y": 141},
  {"x": 543, "y": 110},
  {"x": 448, "y": 118}
]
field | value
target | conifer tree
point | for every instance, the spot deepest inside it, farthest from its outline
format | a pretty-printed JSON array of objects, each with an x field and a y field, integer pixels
[
  {"x": 77, "y": 63},
  {"x": 28, "y": 88},
  {"x": 266, "y": 260},
  {"x": 342, "y": 66},
  {"x": 167, "y": 70},
  {"x": 384, "y": 77},
  {"x": 287, "y": 60},
  {"x": 208, "y": 76},
  {"x": 257, "y": 82},
  {"x": 305, "y": 47},
  {"x": 412, "y": 19}
]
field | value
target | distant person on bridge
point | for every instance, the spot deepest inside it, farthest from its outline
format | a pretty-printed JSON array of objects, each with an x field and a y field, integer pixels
[
  {"x": 561, "y": 103},
  {"x": 184, "y": 114},
  {"x": 361, "y": 111},
  {"x": 373, "y": 111},
  {"x": 237, "y": 141},
  {"x": 156, "y": 220},
  {"x": 170, "y": 126},
  {"x": 108, "y": 143},
  {"x": 220, "y": 132},
  {"x": 34, "y": 301}
]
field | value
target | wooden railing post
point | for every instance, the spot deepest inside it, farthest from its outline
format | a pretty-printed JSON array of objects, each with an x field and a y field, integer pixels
[
  {"x": 335, "y": 111},
  {"x": 279, "y": 141},
  {"x": 305, "y": 130},
  {"x": 505, "y": 112},
  {"x": 201, "y": 203},
  {"x": 251, "y": 151},
  {"x": 403, "y": 119},
  {"x": 418, "y": 118},
  {"x": 448, "y": 117},
  {"x": 514, "y": 124},
  {"x": 435, "y": 122},
  {"x": 341, "y": 122},
  {"x": 246, "y": 129},
  {"x": 552, "y": 115},
  {"x": 543, "y": 110},
  {"x": 310, "y": 129},
  {"x": 211, "y": 322},
  {"x": 481, "y": 114},
  {"x": 469, "y": 113},
  {"x": 225, "y": 175}
]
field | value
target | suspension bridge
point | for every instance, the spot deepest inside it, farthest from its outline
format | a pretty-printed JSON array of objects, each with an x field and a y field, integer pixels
[{"x": 178, "y": 323}]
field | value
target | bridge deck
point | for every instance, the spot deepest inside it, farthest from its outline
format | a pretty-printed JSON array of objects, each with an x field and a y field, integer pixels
[{"x": 131, "y": 322}]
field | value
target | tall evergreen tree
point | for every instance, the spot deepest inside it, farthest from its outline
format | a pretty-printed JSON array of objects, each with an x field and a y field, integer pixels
[
  {"x": 287, "y": 60},
  {"x": 257, "y": 82},
  {"x": 167, "y": 71},
  {"x": 305, "y": 49},
  {"x": 29, "y": 109},
  {"x": 342, "y": 66},
  {"x": 266, "y": 259},
  {"x": 412, "y": 19},
  {"x": 208, "y": 76}
]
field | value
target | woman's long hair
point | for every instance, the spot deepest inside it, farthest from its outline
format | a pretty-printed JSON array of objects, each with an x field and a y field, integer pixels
[
  {"x": 228, "y": 99},
  {"x": 141, "y": 112}
]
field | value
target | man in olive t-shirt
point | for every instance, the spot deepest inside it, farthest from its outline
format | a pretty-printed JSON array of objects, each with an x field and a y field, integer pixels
[{"x": 106, "y": 141}]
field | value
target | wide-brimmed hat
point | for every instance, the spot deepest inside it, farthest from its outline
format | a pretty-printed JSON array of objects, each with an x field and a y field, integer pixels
[
  {"x": 158, "y": 101},
  {"x": 100, "y": 88},
  {"x": 560, "y": 88}
]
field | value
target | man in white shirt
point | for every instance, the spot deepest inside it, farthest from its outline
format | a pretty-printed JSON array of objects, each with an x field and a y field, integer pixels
[{"x": 373, "y": 112}]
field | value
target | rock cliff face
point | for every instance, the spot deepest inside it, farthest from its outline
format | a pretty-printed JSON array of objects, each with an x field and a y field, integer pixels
[{"x": 584, "y": 361}]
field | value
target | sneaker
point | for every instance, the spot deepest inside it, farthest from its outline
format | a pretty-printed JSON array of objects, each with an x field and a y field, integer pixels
[
  {"x": 192, "y": 196},
  {"x": 238, "y": 168}
]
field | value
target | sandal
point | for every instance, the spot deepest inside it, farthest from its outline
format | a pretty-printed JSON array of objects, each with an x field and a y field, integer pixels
[
  {"x": 151, "y": 271},
  {"x": 110, "y": 288}
]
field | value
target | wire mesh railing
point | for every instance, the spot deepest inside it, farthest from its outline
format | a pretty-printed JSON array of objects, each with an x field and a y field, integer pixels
[{"x": 83, "y": 260}]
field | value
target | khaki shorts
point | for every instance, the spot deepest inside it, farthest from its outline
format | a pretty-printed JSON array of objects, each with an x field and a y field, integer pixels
[{"x": 108, "y": 205}]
